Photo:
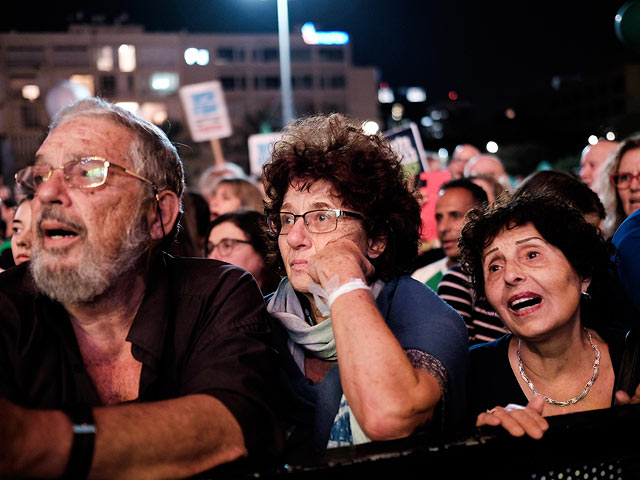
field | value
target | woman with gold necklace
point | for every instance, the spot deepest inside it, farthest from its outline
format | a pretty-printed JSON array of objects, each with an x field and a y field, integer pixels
[{"x": 545, "y": 270}]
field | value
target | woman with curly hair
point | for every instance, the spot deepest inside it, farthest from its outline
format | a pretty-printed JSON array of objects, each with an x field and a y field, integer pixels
[
  {"x": 370, "y": 354},
  {"x": 546, "y": 271}
]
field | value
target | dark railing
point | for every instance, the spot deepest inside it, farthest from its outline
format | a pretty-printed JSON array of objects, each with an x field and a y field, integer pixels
[{"x": 596, "y": 445}]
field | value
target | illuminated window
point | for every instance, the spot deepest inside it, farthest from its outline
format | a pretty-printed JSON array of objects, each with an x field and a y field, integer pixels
[
  {"x": 104, "y": 61},
  {"x": 164, "y": 82},
  {"x": 198, "y": 56},
  {"x": 30, "y": 92},
  {"x": 154, "y": 112},
  {"x": 127, "y": 58},
  {"x": 86, "y": 81}
]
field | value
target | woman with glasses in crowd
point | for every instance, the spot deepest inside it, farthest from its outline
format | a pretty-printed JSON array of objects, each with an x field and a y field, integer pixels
[
  {"x": 619, "y": 186},
  {"x": 239, "y": 237},
  {"x": 368, "y": 353}
]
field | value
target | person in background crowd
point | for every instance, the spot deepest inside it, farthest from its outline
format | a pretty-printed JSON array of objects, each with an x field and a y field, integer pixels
[
  {"x": 455, "y": 199},
  {"x": 148, "y": 365},
  {"x": 545, "y": 270},
  {"x": 592, "y": 159},
  {"x": 21, "y": 232},
  {"x": 457, "y": 161},
  {"x": 240, "y": 238},
  {"x": 487, "y": 164},
  {"x": 492, "y": 187},
  {"x": 627, "y": 257},
  {"x": 231, "y": 193},
  {"x": 192, "y": 236},
  {"x": 568, "y": 190},
  {"x": 620, "y": 185},
  {"x": 458, "y": 197},
  {"x": 368, "y": 353}
]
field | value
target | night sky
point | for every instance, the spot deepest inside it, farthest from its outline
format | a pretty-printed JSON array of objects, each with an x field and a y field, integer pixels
[{"x": 490, "y": 52}]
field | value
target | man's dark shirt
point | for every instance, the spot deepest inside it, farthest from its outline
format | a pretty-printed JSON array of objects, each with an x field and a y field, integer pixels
[{"x": 201, "y": 328}]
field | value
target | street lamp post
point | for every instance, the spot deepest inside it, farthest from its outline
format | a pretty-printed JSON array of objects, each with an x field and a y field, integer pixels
[{"x": 285, "y": 62}]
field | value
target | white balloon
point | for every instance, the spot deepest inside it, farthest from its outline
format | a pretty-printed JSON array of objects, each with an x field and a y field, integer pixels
[{"x": 63, "y": 94}]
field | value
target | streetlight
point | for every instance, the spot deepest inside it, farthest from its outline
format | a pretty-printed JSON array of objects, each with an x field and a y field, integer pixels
[{"x": 285, "y": 62}]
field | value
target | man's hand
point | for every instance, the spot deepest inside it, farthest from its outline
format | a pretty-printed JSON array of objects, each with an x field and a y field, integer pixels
[{"x": 516, "y": 419}]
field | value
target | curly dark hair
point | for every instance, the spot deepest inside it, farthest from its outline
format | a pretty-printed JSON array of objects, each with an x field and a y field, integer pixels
[
  {"x": 365, "y": 173},
  {"x": 562, "y": 225}
]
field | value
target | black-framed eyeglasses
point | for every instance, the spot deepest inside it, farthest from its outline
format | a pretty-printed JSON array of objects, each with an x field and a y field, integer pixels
[
  {"x": 622, "y": 180},
  {"x": 315, "y": 221},
  {"x": 224, "y": 246},
  {"x": 84, "y": 172}
]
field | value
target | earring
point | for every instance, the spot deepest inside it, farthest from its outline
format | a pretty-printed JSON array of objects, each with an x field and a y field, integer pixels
[{"x": 586, "y": 296}]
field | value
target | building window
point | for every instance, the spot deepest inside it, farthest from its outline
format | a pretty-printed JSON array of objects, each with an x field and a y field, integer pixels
[
  {"x": 266, "y": 55},
  {"x": 271, "y": 82},
  {"x": 300, "y": 55},
  {"x": 30, "y": 116},
  {"x": 127, "y": 58},
  {"x": 331, "y": 55},
  {"x": 107, "y": 85},
  {"x": 164, "y": 83},
  {"x": 104, "y": 59},
  {"x": 302, "y": 82},
  {"x": 24, "y": 56},
  {"x": 333, "y": 82}
]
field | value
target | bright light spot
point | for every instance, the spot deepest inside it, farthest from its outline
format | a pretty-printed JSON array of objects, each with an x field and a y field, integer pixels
[
  {"x": 610, "y": 136},
  {"x": 510, "y": 113},
  {"x": 30, "y": 92},
  {"x": 190, "y": 55},
  {"x": 370, "y": 127},
  {"x": 127, "y": 58},
  {"x": 426, "y": 121},
  {"x": 203, "y": 57},
  {"x": 416, "y": 94},
  {"x": 443, "y": 153},
  {"x": 160, "y": 83},
  {"x": 492, "y": 147},
  {"x": 312, "y": 37},
  {"x": 592, "y": 140},
  {"x": 133, "y": 107},
  {"x": 105, "y": 59},
  {"x": 86, "y": 81},
  {"x": 154, "y": 112},
  {"x": 453, "y": 95},
  {"x": 436, "y": 115},
  {"x": 618, "y": 18},
  {"x": 164, "y": 82},
  {"x": 397, "y": 111},
  {"x": 385, "y": 95}
]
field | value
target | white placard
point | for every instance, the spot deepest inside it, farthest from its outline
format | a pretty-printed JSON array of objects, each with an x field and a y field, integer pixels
[
  {"x": 260, "y": 148},
  {"x": 206, "y": 111}
]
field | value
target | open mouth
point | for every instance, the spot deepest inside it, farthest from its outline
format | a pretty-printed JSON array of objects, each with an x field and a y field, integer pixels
[
  {"x": 59, "y": 233},
  {"x": 523, "y": 303}
]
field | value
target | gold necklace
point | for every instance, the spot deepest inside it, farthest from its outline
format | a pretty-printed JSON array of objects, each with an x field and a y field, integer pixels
[{"x": 573, "y": 400}]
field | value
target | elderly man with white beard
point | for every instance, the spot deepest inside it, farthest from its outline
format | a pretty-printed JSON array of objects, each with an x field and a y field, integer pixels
[{"x": 118, "y": 360}]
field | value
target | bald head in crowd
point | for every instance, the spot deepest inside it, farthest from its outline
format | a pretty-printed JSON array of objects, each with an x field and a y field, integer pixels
[
  {"x": 461, "y": 155},
  {"x": 593, "y": 158},
  {"x": 486, "y": 164}
]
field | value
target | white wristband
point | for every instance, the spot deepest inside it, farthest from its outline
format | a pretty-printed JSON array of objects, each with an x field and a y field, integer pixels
[{"x": 353, "y": 284}]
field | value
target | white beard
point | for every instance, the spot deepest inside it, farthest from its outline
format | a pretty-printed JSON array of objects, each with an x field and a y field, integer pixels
[{"x": 98, "y": 269}]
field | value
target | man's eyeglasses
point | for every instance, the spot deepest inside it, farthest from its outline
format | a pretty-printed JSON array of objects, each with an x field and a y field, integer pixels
[
  {"x": 622, "y": 180},
  {"x": 315, "y": 221},
  {"x": 85, "y": 172},
  {"x": 224, "y": 246}
]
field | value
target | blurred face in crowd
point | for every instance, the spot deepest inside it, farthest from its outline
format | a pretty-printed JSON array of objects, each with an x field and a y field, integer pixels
[
  {"x": 223, "y": 200},
  {"x": 485, "y": 164},
  {"x": 592, "y": 160},
  {"x": 229, "y": 243},
  {"x": 451, "y": 207},
  {"x": 530, "y": 283},
  {"x": 21, "y": 233},
  {"x": 461, "y": 155},
  {"x": 630, "y": 197}
]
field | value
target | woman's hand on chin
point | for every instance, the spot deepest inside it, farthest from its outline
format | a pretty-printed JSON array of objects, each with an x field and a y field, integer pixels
[
  {"x": 516, "y": 419},
  {"x": 341, "y": 258}
]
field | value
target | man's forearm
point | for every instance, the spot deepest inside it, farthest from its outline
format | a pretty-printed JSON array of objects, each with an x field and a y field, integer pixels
[
  {"x": 166, "y": 439},
  {"x": 172, "y": 438}
]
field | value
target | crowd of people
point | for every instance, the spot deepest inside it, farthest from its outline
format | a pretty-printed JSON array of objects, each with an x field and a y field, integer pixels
[{"x": 158, "y": 330}]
